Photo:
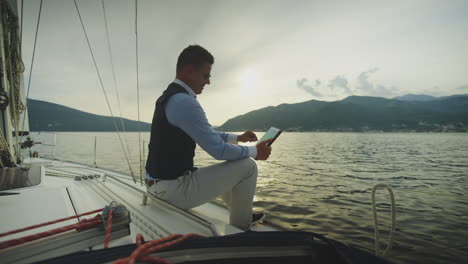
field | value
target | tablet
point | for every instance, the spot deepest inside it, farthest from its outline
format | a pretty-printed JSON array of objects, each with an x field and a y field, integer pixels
[{"x": 273, "y": 133}]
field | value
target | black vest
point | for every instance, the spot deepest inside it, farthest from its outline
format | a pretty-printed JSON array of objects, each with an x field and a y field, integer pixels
[{"x": 171, "y": 150}]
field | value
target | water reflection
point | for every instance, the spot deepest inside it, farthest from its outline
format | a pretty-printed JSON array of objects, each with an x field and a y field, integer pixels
[{"x": 329, "y": 191}]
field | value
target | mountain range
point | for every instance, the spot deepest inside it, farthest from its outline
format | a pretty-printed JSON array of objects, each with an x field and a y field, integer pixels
[
  {"x": 45, "y": 116},
  {"x": 360, "y": 114},
  {"x": 352, "y": 114}
]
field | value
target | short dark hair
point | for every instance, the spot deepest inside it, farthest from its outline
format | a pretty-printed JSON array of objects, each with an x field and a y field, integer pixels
[{"x": 195, "y": 55}]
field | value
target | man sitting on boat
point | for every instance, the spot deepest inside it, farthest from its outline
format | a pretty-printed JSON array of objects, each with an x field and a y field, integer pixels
[{"x": 179, "y": 123}]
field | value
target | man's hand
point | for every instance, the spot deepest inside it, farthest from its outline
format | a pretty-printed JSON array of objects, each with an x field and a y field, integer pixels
[
  {"x": 263, "y": 150},
  {"x": 248, "y": 136}
]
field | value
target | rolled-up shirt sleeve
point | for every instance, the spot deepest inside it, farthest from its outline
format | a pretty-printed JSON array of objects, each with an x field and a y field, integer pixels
[{"x": 186, "y": 113}]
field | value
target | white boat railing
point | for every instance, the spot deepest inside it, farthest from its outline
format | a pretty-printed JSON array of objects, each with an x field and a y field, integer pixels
[{"x": 93, "y": 143}]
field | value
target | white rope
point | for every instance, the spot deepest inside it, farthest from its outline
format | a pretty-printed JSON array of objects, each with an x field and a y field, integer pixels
[
  {"x": 376, "y": 227},
  {"x": 13, "y": 69},
  {"x": 5, "y": 151}
]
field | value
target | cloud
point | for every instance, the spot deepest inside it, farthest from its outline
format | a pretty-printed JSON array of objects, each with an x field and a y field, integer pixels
[
  {"x": 463, "y": 87},
  {"x": 340, "y": 86},
  {"x": 363, "y": 81},
  {"x": 312, "y": 90},
  {"x": 365, "y": 86},
  {"x": 340, "y": 82}
]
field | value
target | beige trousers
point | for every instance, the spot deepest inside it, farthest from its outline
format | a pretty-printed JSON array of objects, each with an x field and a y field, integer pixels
[{"x": 234, "y": 181}]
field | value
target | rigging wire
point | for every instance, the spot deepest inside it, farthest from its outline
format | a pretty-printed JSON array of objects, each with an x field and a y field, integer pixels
[
  {"x": 138, "y": 89},
  {"x": 32, "y": 62},
  {"x": 113, "y": 75},
  {"x": 104, "y": 90}
]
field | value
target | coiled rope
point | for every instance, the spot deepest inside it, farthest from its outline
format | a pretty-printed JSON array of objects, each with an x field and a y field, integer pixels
[
  {"x": 376, "y": 223},
  {"x": 13, "y": 69}
]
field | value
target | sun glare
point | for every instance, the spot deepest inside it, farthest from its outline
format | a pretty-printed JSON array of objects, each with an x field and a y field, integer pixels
[{"x": 248, "y": 80}]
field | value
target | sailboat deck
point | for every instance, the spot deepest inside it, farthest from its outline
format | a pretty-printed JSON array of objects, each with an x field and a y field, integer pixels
[{"x": 68, "y": 188}]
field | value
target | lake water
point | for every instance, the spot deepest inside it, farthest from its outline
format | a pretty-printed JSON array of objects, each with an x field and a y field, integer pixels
[{"x": 326, "y": 186}]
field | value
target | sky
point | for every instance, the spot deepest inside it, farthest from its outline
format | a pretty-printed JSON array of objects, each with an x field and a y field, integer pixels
[{"x": 266, "y": 52}]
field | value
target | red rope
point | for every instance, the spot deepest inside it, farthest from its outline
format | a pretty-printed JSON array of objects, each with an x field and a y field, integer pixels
[
  {"x": 143, "y": 251},
  {"x": 48, "y": 223},
  {"x": 109, "y": 229},
  {"x": 139, "y": 240},
  {"x": 83, "y": 224}
]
